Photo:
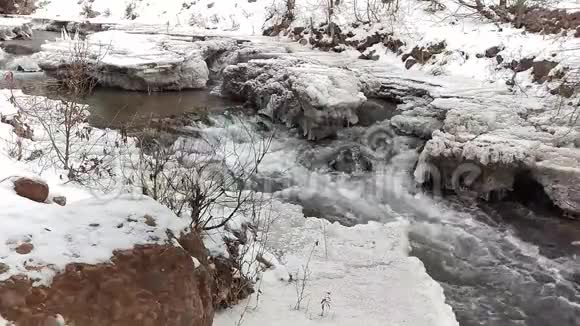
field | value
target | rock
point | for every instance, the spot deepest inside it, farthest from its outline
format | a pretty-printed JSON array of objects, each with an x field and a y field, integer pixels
[
  {"x": 60, "y": 200},
  {"x": 150, "y": 221},
  {"x": 526, "y": 138},
  {"x": 420, "y": 126},
  {"x": 21, "y": 129},
  {"x": 298, "y": 30},
  {"x": 371, "y": 55},
  {"x": 25, "y": 248},
  {"x": 193, "y": 244},
  {"x": 541, "y": 70},
  {"x": 23, "y": 64},
  {"x": 149, "y": 285},
  {"x": 561, "y": 185},
  {"x": 493, "y": 51},
  {"x": 35, "y": 190},
  {"x": 522, "y": 65},
  {"x": 422, "y": 54},
  {"x": 369, "y": 41},
  {"x": 22, "y": 31},
  {"x": 410, "y": 63},
  {"x": 159, "y": 63},
  {"x": 4, "y": 268},
  {"x": 393, "y": 44},
  {"x": 499, "y": 59},
  {"x": 566, "y": 90},
  {"x": 351, "y": 159},
  {"x": 318, "y": 99}
]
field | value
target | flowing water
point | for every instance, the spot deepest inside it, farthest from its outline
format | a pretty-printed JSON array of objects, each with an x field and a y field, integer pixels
[{"x": 499, "y": 263}]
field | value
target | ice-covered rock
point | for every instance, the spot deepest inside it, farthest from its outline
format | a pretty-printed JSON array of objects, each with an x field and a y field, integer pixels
[
  {"x": 505, "y": 137},
  {"x": 132, "y": 61},
  {"x": 24, "y": 64},
  {"x": 15, "y": 29},
  {"x": 482, "y": 138},
  {"x": 319, "y": 99}
]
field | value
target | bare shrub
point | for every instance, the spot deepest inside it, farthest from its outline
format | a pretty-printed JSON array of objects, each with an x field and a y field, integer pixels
[
  {"x": 19, "y": 7},
  {"x": 302, "y": 279},
  {"x": 130, "y": 11},
  {"x": 69, "y": 142},
  {"x": 88, "y": 12},
  {"x": 202, "y": 178}
]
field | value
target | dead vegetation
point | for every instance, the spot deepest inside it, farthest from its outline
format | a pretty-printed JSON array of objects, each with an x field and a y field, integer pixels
[{"x": 17, "y": 7}]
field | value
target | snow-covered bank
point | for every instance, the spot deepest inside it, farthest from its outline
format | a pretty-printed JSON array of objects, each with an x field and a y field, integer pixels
[
  {"x": 69, "y": 258},
  {"x": 365, "y": 271},
  {"x": 241, "y": 16},
  {"x": 87, "y": 230}
]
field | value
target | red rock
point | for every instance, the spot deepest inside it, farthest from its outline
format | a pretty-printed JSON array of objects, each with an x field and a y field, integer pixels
[
  {"x": 25, "y": 248},
  {"x": 149, "y": 285},
  {"x": 35, "y": 190}
]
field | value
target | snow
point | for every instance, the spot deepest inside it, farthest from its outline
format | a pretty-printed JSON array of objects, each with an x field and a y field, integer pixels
[
  {"x": 155, "y": 61},
  {"x": 86, "y": 231},
  {"x": 13, "y": 22},
  {"x": 239, "y": 16},
  {"x": 366, "y": 270}
]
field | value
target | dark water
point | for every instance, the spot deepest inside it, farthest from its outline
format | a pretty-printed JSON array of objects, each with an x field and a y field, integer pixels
[
  {"x": 113, "y": 108},
  {"x": 504, "y": 264}
]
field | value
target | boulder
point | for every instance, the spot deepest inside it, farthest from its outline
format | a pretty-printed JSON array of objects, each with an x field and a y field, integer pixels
[
  {"x": 410, "y": 63},
  {"x": 15, "y": 31},
  {"x": 23, "y": 64},
  {"x": 24, "y": 248},
  {"x": 351, "y": 159},
  {"x": 493, "y": 51},
  {"x": 541, "y": 70},
  {"x": 35, "y": 190},
  {"x": 59, "y": 200},
  {"x": 148, "y": 285}
]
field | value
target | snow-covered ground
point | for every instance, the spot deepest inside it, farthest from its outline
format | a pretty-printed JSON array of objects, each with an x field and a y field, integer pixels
[
  {"x": 241, "y": 16},
  {"x": 365, "y": 270}
]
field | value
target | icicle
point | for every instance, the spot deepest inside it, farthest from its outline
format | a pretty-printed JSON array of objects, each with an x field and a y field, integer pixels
[
  {"x": 422, "y": 171},
  {"x": 64, "y": 35}
]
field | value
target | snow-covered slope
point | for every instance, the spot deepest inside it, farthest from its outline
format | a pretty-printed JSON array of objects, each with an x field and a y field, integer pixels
[
  {"x": 241, "y": 16},
  {"x": 87, "y": 230},
  {"x": 365, "y": 271}
]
